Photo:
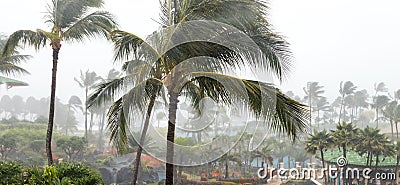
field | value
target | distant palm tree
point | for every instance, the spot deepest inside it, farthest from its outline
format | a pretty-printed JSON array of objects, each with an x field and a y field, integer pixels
[
  {"x": 226, "y": 159},
  {"x": 319, "y": 141},
  {"x": 392, "y": 112},
  {"x": 380, "y": 87},
  {"x": 388, "y": 112},
  {"x": 322, "y": 104},
  {"x": 74, "y": 103},
  {"x": 360, "y": 99},
  {"x": 71, "y": 20},
  {"x": 345, "y": 89},
  {"x": 87, "y": 81},
  {"x": 379, "y": 102},
  {"x": 313, "y": 92}
]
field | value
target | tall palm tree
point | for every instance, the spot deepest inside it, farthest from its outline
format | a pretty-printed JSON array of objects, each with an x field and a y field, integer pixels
[
  {"x": 71, "y": 20},
  {"x": 345, "y": 89},
  {"x": 87, "y": 81},
  {"x": 251, "y": 20},
  {"x": 319, "y": 141},
  {"x": 313, "y": 92}
]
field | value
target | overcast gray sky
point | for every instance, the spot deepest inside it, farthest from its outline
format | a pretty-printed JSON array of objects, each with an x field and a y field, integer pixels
[{"x": 331, "y": 40}]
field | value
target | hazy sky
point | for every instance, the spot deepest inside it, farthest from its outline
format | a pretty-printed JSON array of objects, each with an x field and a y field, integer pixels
[{"x": 331, "y": 40}]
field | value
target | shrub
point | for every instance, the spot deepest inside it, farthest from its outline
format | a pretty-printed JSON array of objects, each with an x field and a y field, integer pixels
[
  {"x": 79, "y": 174},
  {"x": 10, "y": 173},
  {"x": 61, "y": 174}
]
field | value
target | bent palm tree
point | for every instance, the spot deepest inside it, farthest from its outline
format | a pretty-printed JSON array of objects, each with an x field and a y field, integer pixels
[
  {"x": 345, "y": 89},
  {"x": 203, "y": 79},
  {"x": 71, "y": 20}
]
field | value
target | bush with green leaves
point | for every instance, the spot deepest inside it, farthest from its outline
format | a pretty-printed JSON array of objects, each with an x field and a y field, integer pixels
[
  {"x": 61, "y": 174},
  {"x": 10, "y": 173},
  {"x": 72, "y": 145}
]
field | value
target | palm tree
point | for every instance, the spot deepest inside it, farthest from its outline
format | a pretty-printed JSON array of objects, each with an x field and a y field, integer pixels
[
  {"x": 360, "y": 99},
  {"x": 319, "y": 141},
  {"x": 344, "y": 135},
  {"x": 313, "y": 92},
  {"x": 345, "y": 89},
  {"x": 87, "y": 81},
  {"x": 365, "y": 139},
  {"x": 380, "y": 87},
  {"x": 389, "y": 112},
  {"x": 75, "y": 104},
  {"x": 321, "y": 105},
  {"x": 203, "y": 83},
  {"x": 71, "y": 20},
  {"x": 226, "y": 159},
  {"x": 379, "y": 102}
]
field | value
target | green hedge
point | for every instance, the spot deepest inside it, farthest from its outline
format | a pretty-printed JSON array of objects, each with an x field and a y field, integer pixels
[
  {"x": 61, "y": 174},
  {"x": 23, "y": 125}
]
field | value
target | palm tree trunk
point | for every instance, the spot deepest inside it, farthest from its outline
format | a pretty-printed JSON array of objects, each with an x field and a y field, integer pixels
[
  {"x": 323, "y": 162},
  {"x": 142, "y": 138},
  {"x": 341, "y": 107},
  {"x": 397, "y": 165},
  {"x": 66, "y": 124},
  {"x": 344, "y": 151},
  {"x": 49, "y": 134},
  {"x": 377, "y": 117},
  {"x": 226, "y": 168},
  {"x": 173, "y": 106},
  {"x": 103, "y": 118},
  {"x": 91, "y": 122},
  {"x": 391, "y": 126},
  {"x": 397, "y": 130},
  {"x": 86, "y": 111}
]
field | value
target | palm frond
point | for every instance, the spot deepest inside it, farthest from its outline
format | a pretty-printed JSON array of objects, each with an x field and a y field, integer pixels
[
  {"x": 105, "y": 92},
  {"x": 11, "y": 69},
  {"x": 16, "y": 59},
  {"x": 26, "y": 37},
  {"x": 117, "y": 126},
  {"x": 64, "y": 13},
  {"x": 125, "y": 44},
  {"x": 94, "y": 24},
  {"x": 264, "y": 101},
  {"x": 249, "y": 16}
]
